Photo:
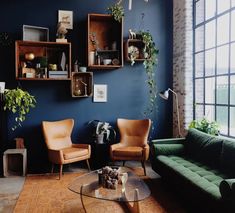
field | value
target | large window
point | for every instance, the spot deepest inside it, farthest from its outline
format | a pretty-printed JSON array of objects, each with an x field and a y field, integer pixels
[{"x": 214, "y": 62}]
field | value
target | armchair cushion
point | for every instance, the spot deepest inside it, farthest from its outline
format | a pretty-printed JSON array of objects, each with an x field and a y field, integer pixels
[
  {"x": 71, "y": 152},
  {"x": 130, "y": 151}
]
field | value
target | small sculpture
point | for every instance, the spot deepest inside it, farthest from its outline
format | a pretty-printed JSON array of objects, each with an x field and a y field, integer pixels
[
  {"x": 61, "y": 30},
  {"x": 132, "y": 34}
]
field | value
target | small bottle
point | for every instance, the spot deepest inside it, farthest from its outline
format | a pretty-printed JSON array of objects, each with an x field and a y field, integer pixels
[{"x": 98, "y": 60}]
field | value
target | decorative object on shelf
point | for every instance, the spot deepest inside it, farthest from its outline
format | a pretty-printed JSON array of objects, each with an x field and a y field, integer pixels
[
  {"x": 92, "y": 58},
  {"x": 132, "y": 34},
  {"x": 117, "y": 11},
  {"x": 35, "y": 33},
  {"x": 102, "y": 131},
  {"x": 29, "y": 56},
  {"x": 165, "y": 96},
  {"x": 115, "y": 61},
  {"x": 204, "y": 125},
  {"x": 66, "y": 17},
  {"x": 107, "y": 61},
  {"x": 61, "y": 32},
  {"x": 94, "y": 41},
  {"x": 19, "y": 103},
  {"x": 5, "y": 39},
  {"x": 100, "y": 93},
  {"x": 75, "y": 66},
  {"x": 133, "y": 53},
  {"x": 82, "y": 69}
]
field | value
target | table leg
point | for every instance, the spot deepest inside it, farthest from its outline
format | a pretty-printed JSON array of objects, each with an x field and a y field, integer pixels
[
  {"x": 136, "y": 207},
  {"x": 82, "y": 198}
]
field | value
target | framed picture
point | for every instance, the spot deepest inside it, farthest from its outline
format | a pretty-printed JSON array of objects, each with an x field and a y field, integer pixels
[
  {"x": 100, "y": 93},
  {"x": 66, "y": 17}
]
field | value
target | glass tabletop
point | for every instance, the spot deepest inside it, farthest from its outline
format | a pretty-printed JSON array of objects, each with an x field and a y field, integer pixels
[{"x": 88, "y": 185}]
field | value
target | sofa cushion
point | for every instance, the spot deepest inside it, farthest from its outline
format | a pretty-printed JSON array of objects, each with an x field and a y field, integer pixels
[
  {"x": 203, "y": 147},
  {"x": 206, "y": 179},
  {"x": 228, "y": 157}
]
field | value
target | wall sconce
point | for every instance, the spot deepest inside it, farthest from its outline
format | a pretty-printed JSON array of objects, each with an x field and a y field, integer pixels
[
  {"x": 130, "y": 4},
  {"x": 2, "y": 89}
]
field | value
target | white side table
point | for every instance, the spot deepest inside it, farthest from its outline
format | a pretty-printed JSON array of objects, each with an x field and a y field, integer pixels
[{"x": 9, "y": 152}]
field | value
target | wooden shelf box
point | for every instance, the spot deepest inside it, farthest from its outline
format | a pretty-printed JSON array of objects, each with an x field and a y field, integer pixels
[
  {"x": 81, "y": 84},
  {"x": 104, "y": 41},
  {"x": 44, "y": 57}
]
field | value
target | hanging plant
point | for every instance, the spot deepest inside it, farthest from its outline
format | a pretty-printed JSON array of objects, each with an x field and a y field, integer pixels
[
  {"x": 117, "y": 11},
  {"x": 19, "y": 103}
]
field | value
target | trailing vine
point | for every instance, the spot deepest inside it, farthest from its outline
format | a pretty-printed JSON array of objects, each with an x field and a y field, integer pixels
[
  {"x": 117, "y": 11},
  {"x": 19, "y": 103},
  {"x": 150, "y": 53}
]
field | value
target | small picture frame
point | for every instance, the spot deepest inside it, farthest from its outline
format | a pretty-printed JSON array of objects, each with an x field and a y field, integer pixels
[
  {"x": 66, "y": 17},
  {"x": 100, "y": 93}
]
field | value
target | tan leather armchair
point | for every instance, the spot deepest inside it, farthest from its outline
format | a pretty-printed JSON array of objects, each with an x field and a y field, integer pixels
[
  {"x": 61, "y": 150},
  {"x": 133, "y": 142}
]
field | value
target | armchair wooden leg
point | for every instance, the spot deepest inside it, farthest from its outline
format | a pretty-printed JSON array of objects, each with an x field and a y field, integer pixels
[
  {"x": 52, "y": 168},
  {"x": 61, "y": 169},
  {"x": 88, "y": 165},
  {"x": 143, "y": 165},
  {"x": 123, "y": 163}
]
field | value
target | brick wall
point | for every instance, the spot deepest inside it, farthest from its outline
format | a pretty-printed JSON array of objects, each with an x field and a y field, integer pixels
[{"x": 183, "y": 62}]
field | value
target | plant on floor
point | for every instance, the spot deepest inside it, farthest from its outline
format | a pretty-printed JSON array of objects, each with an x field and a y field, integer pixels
[
  {"x": 117, "y": 11},
  {"x": 19, "y": 103},
  {"x": 206, "y": 126},
  {"x": 101, "y": 129}
]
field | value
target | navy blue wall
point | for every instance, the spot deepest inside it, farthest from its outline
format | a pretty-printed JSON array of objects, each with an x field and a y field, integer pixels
[{"x": 127, "y": 90}]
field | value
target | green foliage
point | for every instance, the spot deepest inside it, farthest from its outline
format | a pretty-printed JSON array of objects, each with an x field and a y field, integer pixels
[
  {"x": 19, "y": 103},
  {"x": 117, "y": 11},
  {"x": 150, "y": 55},
  {"x": 206, "y": 126}
]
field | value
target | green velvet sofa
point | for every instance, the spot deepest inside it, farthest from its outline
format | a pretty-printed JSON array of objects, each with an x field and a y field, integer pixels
[{"x": 201, "y": 167}]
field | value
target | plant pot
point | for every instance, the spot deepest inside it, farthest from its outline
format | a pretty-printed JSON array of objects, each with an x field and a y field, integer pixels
[{"x": 100, "y": 138}]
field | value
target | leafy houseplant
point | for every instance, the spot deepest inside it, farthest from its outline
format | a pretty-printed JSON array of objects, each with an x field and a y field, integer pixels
[
  {"x": 206, "y": 126},
  {"x": 102, "y": 129},
  {"x": 19, "y": 103},
  {"x": 117, "y": 11}
]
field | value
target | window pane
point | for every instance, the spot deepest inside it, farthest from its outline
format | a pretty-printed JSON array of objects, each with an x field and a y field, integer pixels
[
  {"x": 233, "y": 3},
  {"x": 199, "y": 11},
  {"x": 222, "y": 119},
  {"x": 223, "y": 29},
  {"x": 232, "y": 121},
  {"x": 210, "y": 34},
  {"x": 222, "y": 90},
  {"x": 210, "y": 8},
  {"x": 199, "y": 62},
  {"x": 199, "y": 90},
  {"x": 232, "y": 90},
  {"x": 223, "y": 5},
  {"x": 210, "y": 62},
  {"x": 199, "y": 112},
  {"x": 222, "y": 59},
  {"x": 233, "y": 26},
  {"x": 199, "y": 38},
  {"x": 210, "y": 90},
  {"x": 210, "y": 113},
  {"x": 232, "y": 58}
]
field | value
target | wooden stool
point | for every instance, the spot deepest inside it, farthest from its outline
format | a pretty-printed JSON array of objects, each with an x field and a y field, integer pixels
[{"x": 9, "y": 152}]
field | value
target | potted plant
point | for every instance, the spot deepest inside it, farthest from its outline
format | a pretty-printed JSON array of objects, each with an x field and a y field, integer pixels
[
  {"x": 206, "y": 126},
  {"x": 102, "y": 131},
  {"x": 117, "y": 11},
  {"x": 19, "y": 103}
]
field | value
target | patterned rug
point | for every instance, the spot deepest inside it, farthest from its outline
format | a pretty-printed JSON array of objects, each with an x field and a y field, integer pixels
[{"x": 45, "y": 193}]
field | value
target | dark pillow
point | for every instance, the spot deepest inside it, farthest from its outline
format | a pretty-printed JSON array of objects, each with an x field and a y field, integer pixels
[
  {"x": 203, "y": 147},
  {"x": 228, "y": 157}
]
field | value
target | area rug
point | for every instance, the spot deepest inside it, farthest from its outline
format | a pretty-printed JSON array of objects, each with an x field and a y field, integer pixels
[{"x": 45, "y": 193}]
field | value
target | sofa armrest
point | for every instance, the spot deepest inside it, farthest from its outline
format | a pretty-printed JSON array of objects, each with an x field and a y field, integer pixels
[
  {"x": 166, "y": 149},
  {"x": 227, "y": 188},
  {"x": 169, "y": 141}
]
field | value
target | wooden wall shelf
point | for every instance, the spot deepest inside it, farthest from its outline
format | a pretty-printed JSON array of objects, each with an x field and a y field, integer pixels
[
  {"x": 136, "y": 45},
  {"x": 35, "y": 60},
  {"x": 81, "y": 84},
  {"x": 104, "y": 41}
]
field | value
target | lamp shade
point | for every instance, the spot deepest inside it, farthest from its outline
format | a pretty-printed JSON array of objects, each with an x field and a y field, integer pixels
[{"x": 164, "y": 94}]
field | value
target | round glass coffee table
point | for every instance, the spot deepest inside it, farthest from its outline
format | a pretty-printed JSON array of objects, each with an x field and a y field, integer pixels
[{"x": 134, "y": 189}]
